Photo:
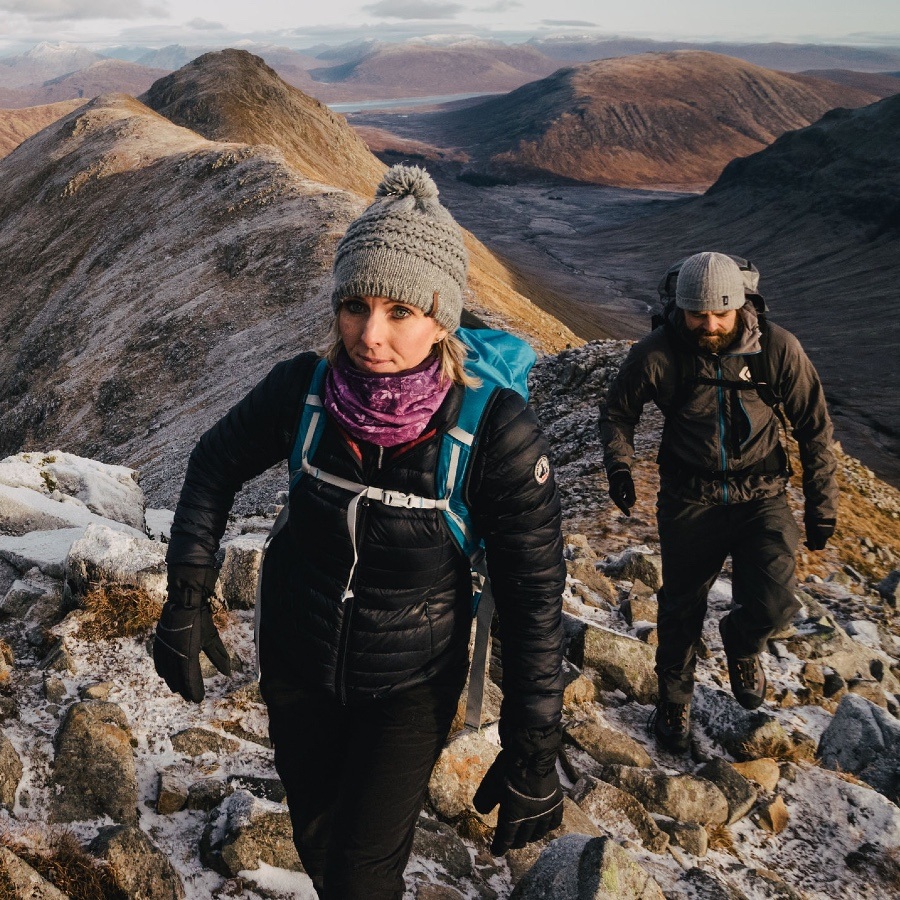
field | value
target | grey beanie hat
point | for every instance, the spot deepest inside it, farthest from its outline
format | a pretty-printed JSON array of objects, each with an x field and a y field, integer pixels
[
  {"x": 405, "y": 246},
  {"x": 710, "y": 282}
]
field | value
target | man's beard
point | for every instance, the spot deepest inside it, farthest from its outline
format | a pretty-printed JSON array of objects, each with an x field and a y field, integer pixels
[{"x": 715, "y": 343}]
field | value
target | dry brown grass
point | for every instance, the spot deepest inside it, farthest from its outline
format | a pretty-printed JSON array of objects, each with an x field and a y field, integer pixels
[
  {"x": 65, "y": 865},
  {"x": 781, "y": 749},
  {"x": 720, "y": 838},
  {"x": 117, "y": 610}
]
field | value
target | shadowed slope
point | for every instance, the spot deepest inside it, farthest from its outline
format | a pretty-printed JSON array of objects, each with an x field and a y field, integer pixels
[{"x": 819, "y": 213}]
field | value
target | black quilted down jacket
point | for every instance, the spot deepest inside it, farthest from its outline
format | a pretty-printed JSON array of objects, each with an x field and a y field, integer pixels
[{"x": 410, "y": 614}]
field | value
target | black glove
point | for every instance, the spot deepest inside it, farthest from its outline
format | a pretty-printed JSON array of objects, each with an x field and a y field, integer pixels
[
  {"x": 184, "y": 629},
  {"x": 621, "y": 489},
  {"x": 531, "y": 804},
  {"x": 818, "y": 531}
]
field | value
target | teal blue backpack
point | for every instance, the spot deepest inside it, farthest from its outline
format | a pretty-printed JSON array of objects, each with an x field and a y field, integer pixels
[{"x": 500, "y": 360}]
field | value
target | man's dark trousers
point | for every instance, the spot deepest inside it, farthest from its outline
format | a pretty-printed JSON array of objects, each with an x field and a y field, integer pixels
[{"x": 762, "y": 537}]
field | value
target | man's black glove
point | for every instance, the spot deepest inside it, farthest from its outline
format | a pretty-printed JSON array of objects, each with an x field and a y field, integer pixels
[
  {"x": 531, "y": 803},
  {"x": 184, "y": 629},
  {"x": 621, "y": 489},
  {"x": 818, "y": 531}
]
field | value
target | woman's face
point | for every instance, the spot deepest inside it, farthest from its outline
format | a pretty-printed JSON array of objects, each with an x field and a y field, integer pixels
[{"x": 385, "y": 336}]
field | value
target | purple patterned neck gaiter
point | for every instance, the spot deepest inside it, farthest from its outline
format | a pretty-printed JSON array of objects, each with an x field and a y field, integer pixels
[{"x": 385, "y": 410}]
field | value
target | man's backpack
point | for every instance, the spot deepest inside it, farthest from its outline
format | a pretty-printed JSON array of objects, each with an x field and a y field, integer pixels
[
  {"x": 760, "y": 366},
  {"x": 499, "y": 360}
]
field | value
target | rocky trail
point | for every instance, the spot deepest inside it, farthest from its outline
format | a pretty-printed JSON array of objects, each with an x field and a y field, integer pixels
[{"x": 796, "y": 800}]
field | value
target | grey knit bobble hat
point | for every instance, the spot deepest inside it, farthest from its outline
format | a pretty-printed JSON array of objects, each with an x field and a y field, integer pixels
[
  {"x": 405, "y": 246},
  {"x": 709, "y": 282}
]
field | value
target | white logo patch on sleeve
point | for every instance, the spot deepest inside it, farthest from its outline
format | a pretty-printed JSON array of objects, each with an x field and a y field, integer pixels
[{"x": 542, "y": 469}]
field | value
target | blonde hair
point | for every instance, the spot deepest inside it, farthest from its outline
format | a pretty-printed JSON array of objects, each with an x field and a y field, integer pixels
[{"x": 450, "y": 350}]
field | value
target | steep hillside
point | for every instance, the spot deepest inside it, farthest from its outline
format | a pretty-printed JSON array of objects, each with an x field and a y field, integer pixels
[
  {"x": 421, "y": 69},
  {"x": 18, "y": 124},
  {"x": 151, "y": 276},
  {"x": 819, "y": 213},
  {"x": 234, "y": 96},
  {"x": 653, "y": 119}
]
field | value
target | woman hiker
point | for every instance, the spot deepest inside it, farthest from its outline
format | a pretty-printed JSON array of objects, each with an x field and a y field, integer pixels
[{"x": 365, "y": 605}]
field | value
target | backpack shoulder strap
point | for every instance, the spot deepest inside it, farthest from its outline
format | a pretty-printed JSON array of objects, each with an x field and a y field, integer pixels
[
  {"x": 312, "y": 422},
  {"x": 685, "y": 369}
]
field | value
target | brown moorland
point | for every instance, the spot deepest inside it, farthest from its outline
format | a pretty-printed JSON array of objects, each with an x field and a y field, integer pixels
[
  {"x": 656, "y": 119},
  {"x": 16, "y": 125}
]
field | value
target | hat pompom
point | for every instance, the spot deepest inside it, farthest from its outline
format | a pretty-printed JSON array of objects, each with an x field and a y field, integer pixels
[{"x": 408, "y": 181}]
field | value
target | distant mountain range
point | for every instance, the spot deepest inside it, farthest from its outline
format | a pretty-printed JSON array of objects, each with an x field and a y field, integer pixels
[
  {"x": 372, "y": 70},
  {"x": 152, "y": 275},
  {"x": 673, "y": 119}
]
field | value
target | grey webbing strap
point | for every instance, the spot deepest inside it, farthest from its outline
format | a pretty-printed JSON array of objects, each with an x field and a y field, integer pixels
[
  {"x": 475, "y": 695},
  {"x": 382, "y": 495}
]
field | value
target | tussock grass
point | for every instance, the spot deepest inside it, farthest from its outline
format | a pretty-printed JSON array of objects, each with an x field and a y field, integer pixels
[
  {"x": 65, "y": 865},
  {"x": 720, "y": 838},
  {"x": 780, "y": 749},
  {"x": 117, "y": 610}
]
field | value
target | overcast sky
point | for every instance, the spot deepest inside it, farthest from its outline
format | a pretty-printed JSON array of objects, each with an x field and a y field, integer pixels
[{"x": 99, "y": 23}]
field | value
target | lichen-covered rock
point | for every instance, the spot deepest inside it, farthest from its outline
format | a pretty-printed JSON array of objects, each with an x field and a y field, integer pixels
[
  {"x": 619, "y": 813},
  {"x": 608, "y": 746},
  {"x": 10, "y": 772},
  {"x": 442, "y": 846},
  {"x": 692, "y": 838},
  {"x": 94, "y": 772},
  {"x": 864, "y": 740},
  {"x": 463, "y": 762},
  {"x": 745, "y": 734},
  {"x": 197, "y": 741},
  {"x": 137, "y": 866},
  {"x": 576, "y": 867},
  {"x": 236, "y": 584},
  {"x": 738, "y": 792},
  {"x": 636, "y": 565},
  {"x": 764, "y": 772},
  {"x": 621, "y": 662},
  {"x": 245, "y": 831},
  {"x": 687, "y": 798},
  {"x": 18, "y": 879},
  {"x": 103, "y": 555}
]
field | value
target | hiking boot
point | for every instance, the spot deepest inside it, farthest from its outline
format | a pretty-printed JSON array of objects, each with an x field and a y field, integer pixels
[
  {"x": 748, "y": 679},
  {"x": 671, "y": 723}
]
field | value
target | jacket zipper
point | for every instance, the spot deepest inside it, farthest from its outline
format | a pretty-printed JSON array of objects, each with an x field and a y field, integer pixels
[
  {"x": 344, "y": 642},
  {"x": 723, "y": 456}
]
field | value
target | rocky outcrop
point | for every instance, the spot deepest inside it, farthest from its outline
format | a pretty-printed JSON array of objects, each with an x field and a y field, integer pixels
[
  {"x": 864, "y": 740},
  {"x": 576, "y": 867},
  {"x": 94, "y": 771},
  {"x": 10, "y": 772},
  {"x": 137, "y": 866},
  {"x": 245, "y": 831}
]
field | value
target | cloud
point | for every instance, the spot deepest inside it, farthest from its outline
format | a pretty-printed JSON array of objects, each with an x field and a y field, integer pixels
[
  {"x": 498, "y": 7},
  {"x": 414, "y": 9},
  {"x": 204, "y": 25},
  {"x": 564, "y": 23},
  {"x": 55, "y": 10}
]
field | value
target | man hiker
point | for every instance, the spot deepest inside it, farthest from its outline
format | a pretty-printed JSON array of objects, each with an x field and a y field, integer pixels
[{"x": 721, "y": 374}]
